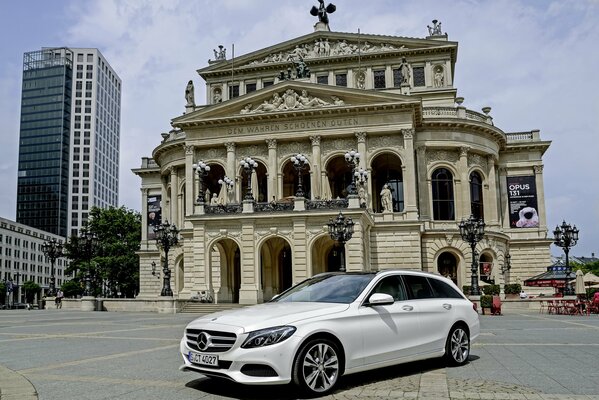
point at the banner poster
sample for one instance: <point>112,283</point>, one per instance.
<point>522,200</point>
<point>154,214</point>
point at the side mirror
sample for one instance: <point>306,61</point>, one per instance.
<point>380,299</point>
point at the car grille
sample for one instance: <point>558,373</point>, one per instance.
<point>221,341</point>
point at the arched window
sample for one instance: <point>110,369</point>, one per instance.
<point>476,195</point>
<point>443,204</point>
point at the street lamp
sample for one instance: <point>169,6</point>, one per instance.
<point>341,230</point>
<point>249,165</point>
<point>507,265</point>
<point>53,250</point>
<point>89,241</point>
<point>167,236</point>
<point>226,184</point>
<point>353,159</point>
<point>472,231</point>
<point>566,237</point>
<point>202,168</point>
<point>299,162</point>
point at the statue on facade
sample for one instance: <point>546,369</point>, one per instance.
<point>322,12</point>
<point>189,96</point>
<point>404,69</point>
<point>439,78</point>
<point>301,69</point>
<point>362,195</point>
<point>207,196</point>
<point>435,30</point>
<point>386,199</point>
<point>221,53</point>
<point>214,200</point>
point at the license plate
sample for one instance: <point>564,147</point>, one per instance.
<point>203,359</point>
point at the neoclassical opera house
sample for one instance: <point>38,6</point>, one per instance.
<point>294,112</point>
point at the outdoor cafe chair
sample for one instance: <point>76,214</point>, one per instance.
<point>552,307</point>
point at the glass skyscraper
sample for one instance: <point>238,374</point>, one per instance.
<point>70,137</point>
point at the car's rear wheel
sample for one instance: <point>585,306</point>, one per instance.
<point>457,348</point>
<point>317,367</point>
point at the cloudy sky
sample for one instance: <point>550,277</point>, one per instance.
<point>535,62</point>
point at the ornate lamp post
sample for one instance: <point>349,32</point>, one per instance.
<point>249,165</point>
<point>566,237</point>
<point>507,265</point>
<point>53,250</point>
<point>202,168</point>
<point>228,186</point>
<point>472,231</point>
<point>89,241</point>
<point>300,162</point>
<point>341,230</point>
<point>167,236</point>
<point>353,159</point>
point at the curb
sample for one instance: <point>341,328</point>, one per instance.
<point>14,386</point>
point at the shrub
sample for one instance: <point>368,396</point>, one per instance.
<point>512,288</point>
<point>466,289</point>
<point>491,290</point>
<point>486,301</point>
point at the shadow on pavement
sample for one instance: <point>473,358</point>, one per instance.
<point>226,388</point>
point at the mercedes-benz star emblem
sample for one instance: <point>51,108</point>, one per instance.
<point>204,341</point>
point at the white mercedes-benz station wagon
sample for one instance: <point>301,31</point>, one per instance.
<point>334,324</point>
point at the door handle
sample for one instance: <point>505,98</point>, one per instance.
<point>407,308</point>
<point>447,306</point>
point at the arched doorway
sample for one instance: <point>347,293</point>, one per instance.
<point>447,265</point>
<point>276,267</point>
<point>291,181</point>
<point>387,169</point>
<point>339,176</point>
<point>225,271</point>
<point>485,268</point>
<point>325,256</point>
<point>211,185</point>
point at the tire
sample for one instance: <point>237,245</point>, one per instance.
<point>317,367</point>
<point>457,348</point>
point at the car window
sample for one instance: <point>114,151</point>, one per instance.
<point>418,287</point>
<point>443,290</point>
<point>393,286</point>
<point>333,288</point>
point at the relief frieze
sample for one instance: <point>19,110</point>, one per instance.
<point>441,155</point>
<point>378,142</point>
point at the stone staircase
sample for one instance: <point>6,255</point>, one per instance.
<point>196,307</point>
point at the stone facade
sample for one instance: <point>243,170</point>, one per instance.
<point>413,134</point>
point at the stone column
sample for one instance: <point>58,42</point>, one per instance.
<point>492,205</point>
<point>189,186</point>
<point>423,187</point>
<point>174,196</point>
<point>540,197</point>
<point>316,167</point>
<point>409,176</point>
<point>272,170</point>
<point>144,214</point>
<point>249,292</point>
<point>165,204</point>
<point>462,195</point>
<point>505,206</point>
<point>231,172</point>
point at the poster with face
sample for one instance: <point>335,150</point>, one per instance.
<point>522,201</point>
<point>154,214</point>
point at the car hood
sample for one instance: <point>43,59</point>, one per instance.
<point>266,315</point>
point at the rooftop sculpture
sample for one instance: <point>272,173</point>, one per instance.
<point>322,12</point>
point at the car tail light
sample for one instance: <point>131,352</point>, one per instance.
<point>474,307</point>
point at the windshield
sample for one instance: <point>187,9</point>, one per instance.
<point>334,288</point>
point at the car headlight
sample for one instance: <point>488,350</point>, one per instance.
<point>268,336</point>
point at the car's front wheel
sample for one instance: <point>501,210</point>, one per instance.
<point>317,366</point>
<point>457,348</point>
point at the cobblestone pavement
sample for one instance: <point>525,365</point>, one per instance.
<point>60,354</point>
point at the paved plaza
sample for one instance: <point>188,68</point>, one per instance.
<point>61,355</point>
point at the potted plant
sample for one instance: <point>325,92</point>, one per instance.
<point>512,291</point>
<point>491,290</point>
<point>486,300</point>
<point>466,289</point>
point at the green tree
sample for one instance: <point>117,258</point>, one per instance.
<point>112,263</point>
<point>71,288</point>
<point>31,289</point>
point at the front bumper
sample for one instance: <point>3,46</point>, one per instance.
<point>237,363</point>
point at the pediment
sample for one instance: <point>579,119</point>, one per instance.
<point>286,99</point>
<point>324,46</point>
